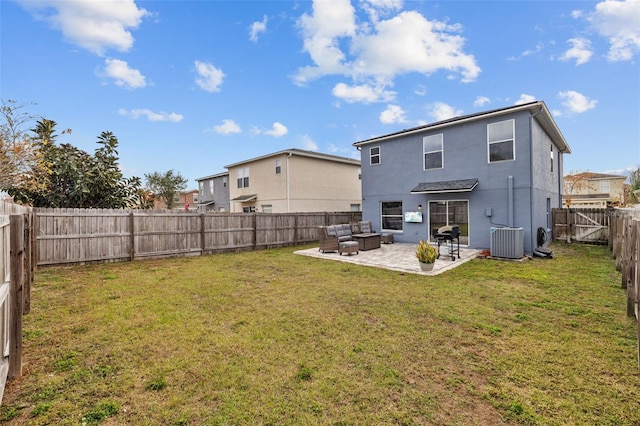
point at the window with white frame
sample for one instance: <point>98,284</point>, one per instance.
<point>432,150</point>
<point>267,208</point>
<point>195,197</point>
<point>224,181</point>
<point>391,215</point>
<point>605,186</point>
<point>374,155</point>
<point>501,141</point>
<point>243,177</point>
<point>355,207</point>
<point>278,166</point>
<point>211,187</point>
<point>201,184</point>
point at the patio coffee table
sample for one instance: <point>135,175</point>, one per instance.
<point>367,241</point>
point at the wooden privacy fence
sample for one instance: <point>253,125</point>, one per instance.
<point>66,236</point>
<point>16,277</point>
<point>581,225</point>
<point>625,245</point>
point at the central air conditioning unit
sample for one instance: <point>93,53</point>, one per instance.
<point>507,242</point>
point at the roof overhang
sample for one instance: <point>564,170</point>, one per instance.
<point>207,203</point>
<point>245,198</point>
<point>537,110</point>
<point>464,185</point>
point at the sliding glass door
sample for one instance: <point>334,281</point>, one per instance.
<point>455,212</point>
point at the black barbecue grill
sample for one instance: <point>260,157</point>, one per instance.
<point>447,235</point>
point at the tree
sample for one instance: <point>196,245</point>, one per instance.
<point>16,150</point>
<point>634,181</point>
<point>166,185</point>
<point>574,184</point>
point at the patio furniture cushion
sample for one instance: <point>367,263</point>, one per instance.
<point>349,247</point>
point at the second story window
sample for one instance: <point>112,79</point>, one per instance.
<point>195,197</point>
<point>432,151</point>
<point>501,141</point>
<point>605,187</point>
<point>243,177</point>
<point>224,181</point>
<point>211,187</point>
<point>374,155</point>
<point>278,166</point>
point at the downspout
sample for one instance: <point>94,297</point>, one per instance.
<point>287,183</point>
<point>510,201</point>
<point>531,174</point>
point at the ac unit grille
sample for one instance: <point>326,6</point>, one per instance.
<point>507,242</point>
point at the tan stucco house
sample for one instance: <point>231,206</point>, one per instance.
<point>593,190</point>
<point>294,180</point>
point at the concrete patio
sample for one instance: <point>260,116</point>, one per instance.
<point>397,257</point>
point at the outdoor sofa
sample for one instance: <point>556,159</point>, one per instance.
<point>331,236</point>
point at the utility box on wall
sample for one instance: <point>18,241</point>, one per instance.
<point>507,242</point>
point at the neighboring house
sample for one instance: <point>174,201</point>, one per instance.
<point>294,180</point>
<point>593,190</point>
<point>214,193</point>
<point>181,201</point>
<point>499,168</point>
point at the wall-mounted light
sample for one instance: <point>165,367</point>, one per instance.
<point>419,206</point>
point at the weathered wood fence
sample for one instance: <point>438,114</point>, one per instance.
<point>72,236</point>
<point>581,225</point>
<point>625,245</point>
<point>16,276</point>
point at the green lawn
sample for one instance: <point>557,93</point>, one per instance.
<point>270,337</point>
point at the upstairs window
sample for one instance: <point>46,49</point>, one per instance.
<point>501,141</point>
<point>551,158</point>
<point>224,181</point>
<point>374,155</point>
<point>605,187</point>
<point>243,177</point>
<point>211,187</point>
<point>432,151</point>
<point>278,166</point>
<point>195,197</point>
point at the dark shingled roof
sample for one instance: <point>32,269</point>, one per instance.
<point>464,185</point>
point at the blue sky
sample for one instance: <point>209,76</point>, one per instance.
<point>195,85</point>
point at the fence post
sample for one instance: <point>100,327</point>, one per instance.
<point>28,229</point>
<point>202,234</point>
<point>132,237</point>
<point>255,230</point>
<point>16,288</point>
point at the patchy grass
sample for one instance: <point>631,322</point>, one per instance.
<point>269,337</point>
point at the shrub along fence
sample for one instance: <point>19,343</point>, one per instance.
<point>68,236</point>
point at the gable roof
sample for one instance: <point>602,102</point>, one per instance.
<point>591,175</point>
<point>301,153</point>
<point>538,110</point>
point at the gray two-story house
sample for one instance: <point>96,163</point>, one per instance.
<point>495,169</point>
<point>213,193</point>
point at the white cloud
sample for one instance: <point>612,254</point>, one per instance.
<point>209,77</point>
<point>227,127</point>
<point>393,114</point>
<point>92,25</point>
<point>481,101</point>
<point>525,99</point>
<point>308,143</point>
<point>257,28</point>
<point>362,93</point>
<point>575,102</point>
<point>537,49</point>
<point>122,74</point>
<point>379,49</point>
<point>580,51</point>
<point>151,116</point>
<point>619,22</point>
<point>441,111</point>
<point>277,130</point>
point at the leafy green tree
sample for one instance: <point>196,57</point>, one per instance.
<point>65,176</point>
<point>166,185</point>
